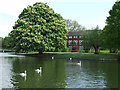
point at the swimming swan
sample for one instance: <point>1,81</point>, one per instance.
<point>23,74</point>
<point>39,70</point>
<point>79,63</point>
<point>70,58</point>
<point>52,57</point>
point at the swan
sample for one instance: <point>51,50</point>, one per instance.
<point>70,58</point>
<point>79,63</point>
<point>23,74</point>
<point>52,57</point>
<point>39,70</point>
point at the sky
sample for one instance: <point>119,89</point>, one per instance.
<point>88,13</point>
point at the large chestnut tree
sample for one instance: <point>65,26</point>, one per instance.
<point>40,29</point>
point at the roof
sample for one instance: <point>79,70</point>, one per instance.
<point>77,33</point>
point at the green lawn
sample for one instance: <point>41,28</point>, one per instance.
<point>104,55</point>
<point>104,51</point>
<point>27,53</point>
<point>85,55</point>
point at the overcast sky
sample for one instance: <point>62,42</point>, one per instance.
<point>88,13</point>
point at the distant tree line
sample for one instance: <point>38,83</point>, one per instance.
<point>73,25</point>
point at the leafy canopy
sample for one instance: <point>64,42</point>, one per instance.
<point>92,38</point>
<point>6,43</point>
<point>73,25</point>
<point>1,39</point>
<point>39,28</point>
<point>111,32</point>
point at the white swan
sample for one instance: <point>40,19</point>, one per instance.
<point>70,58</point>
<point>23,74</point>
<point>52,57</point>
<point>39,70</point>
<point>79,63</point>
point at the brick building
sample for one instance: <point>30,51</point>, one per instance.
<point>74,41</point>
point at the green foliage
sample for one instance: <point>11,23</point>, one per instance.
<point>82,51</point>
<point>6,43</point>
<point>39,28</point>
<point>73,25</point>
<point>111,32</point>
<point>85,42</point>
<point>1,39</point>
<point>92,38</point>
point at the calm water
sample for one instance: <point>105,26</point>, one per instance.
<point>56,73</point>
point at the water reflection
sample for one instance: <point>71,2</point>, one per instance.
<point>57,73</point>
<point>52,74</point>
<point>85,76</point>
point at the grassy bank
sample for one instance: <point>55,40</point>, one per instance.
<point>75,55</point>
<point>86,56</point>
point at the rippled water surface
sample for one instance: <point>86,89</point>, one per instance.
<point>56,73</point>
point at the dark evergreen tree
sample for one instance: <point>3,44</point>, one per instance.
<point>111,32</point>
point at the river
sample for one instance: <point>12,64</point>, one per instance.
<point>56,73</point>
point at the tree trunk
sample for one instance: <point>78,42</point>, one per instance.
<point>112,51</point>
<point>96,51</point>
<point>86,51</point>
<point>40,52</point>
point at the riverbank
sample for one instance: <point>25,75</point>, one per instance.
<point>74,55</point>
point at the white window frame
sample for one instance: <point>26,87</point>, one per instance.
<point>75,36</point>
<point>70,42</point>
<point>80,36</point>
<point>80,42</point>
<point>69,36</point>
<point>75,42</point>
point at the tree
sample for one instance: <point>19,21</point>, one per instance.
<point>1,39</point>
<point>111,32</point>
<point>73,25</point>
<point>92,38</point>
<point>6,43</point>
<point>40,29</point>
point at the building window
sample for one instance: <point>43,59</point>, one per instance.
<point>75,36</point>
<point>70,37</point>
<point>75,42</point>
<point>70,42</point>
<point>81,48</point>
<point>80,42</point>
<point>79,36</point>
<point>70,47</point>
